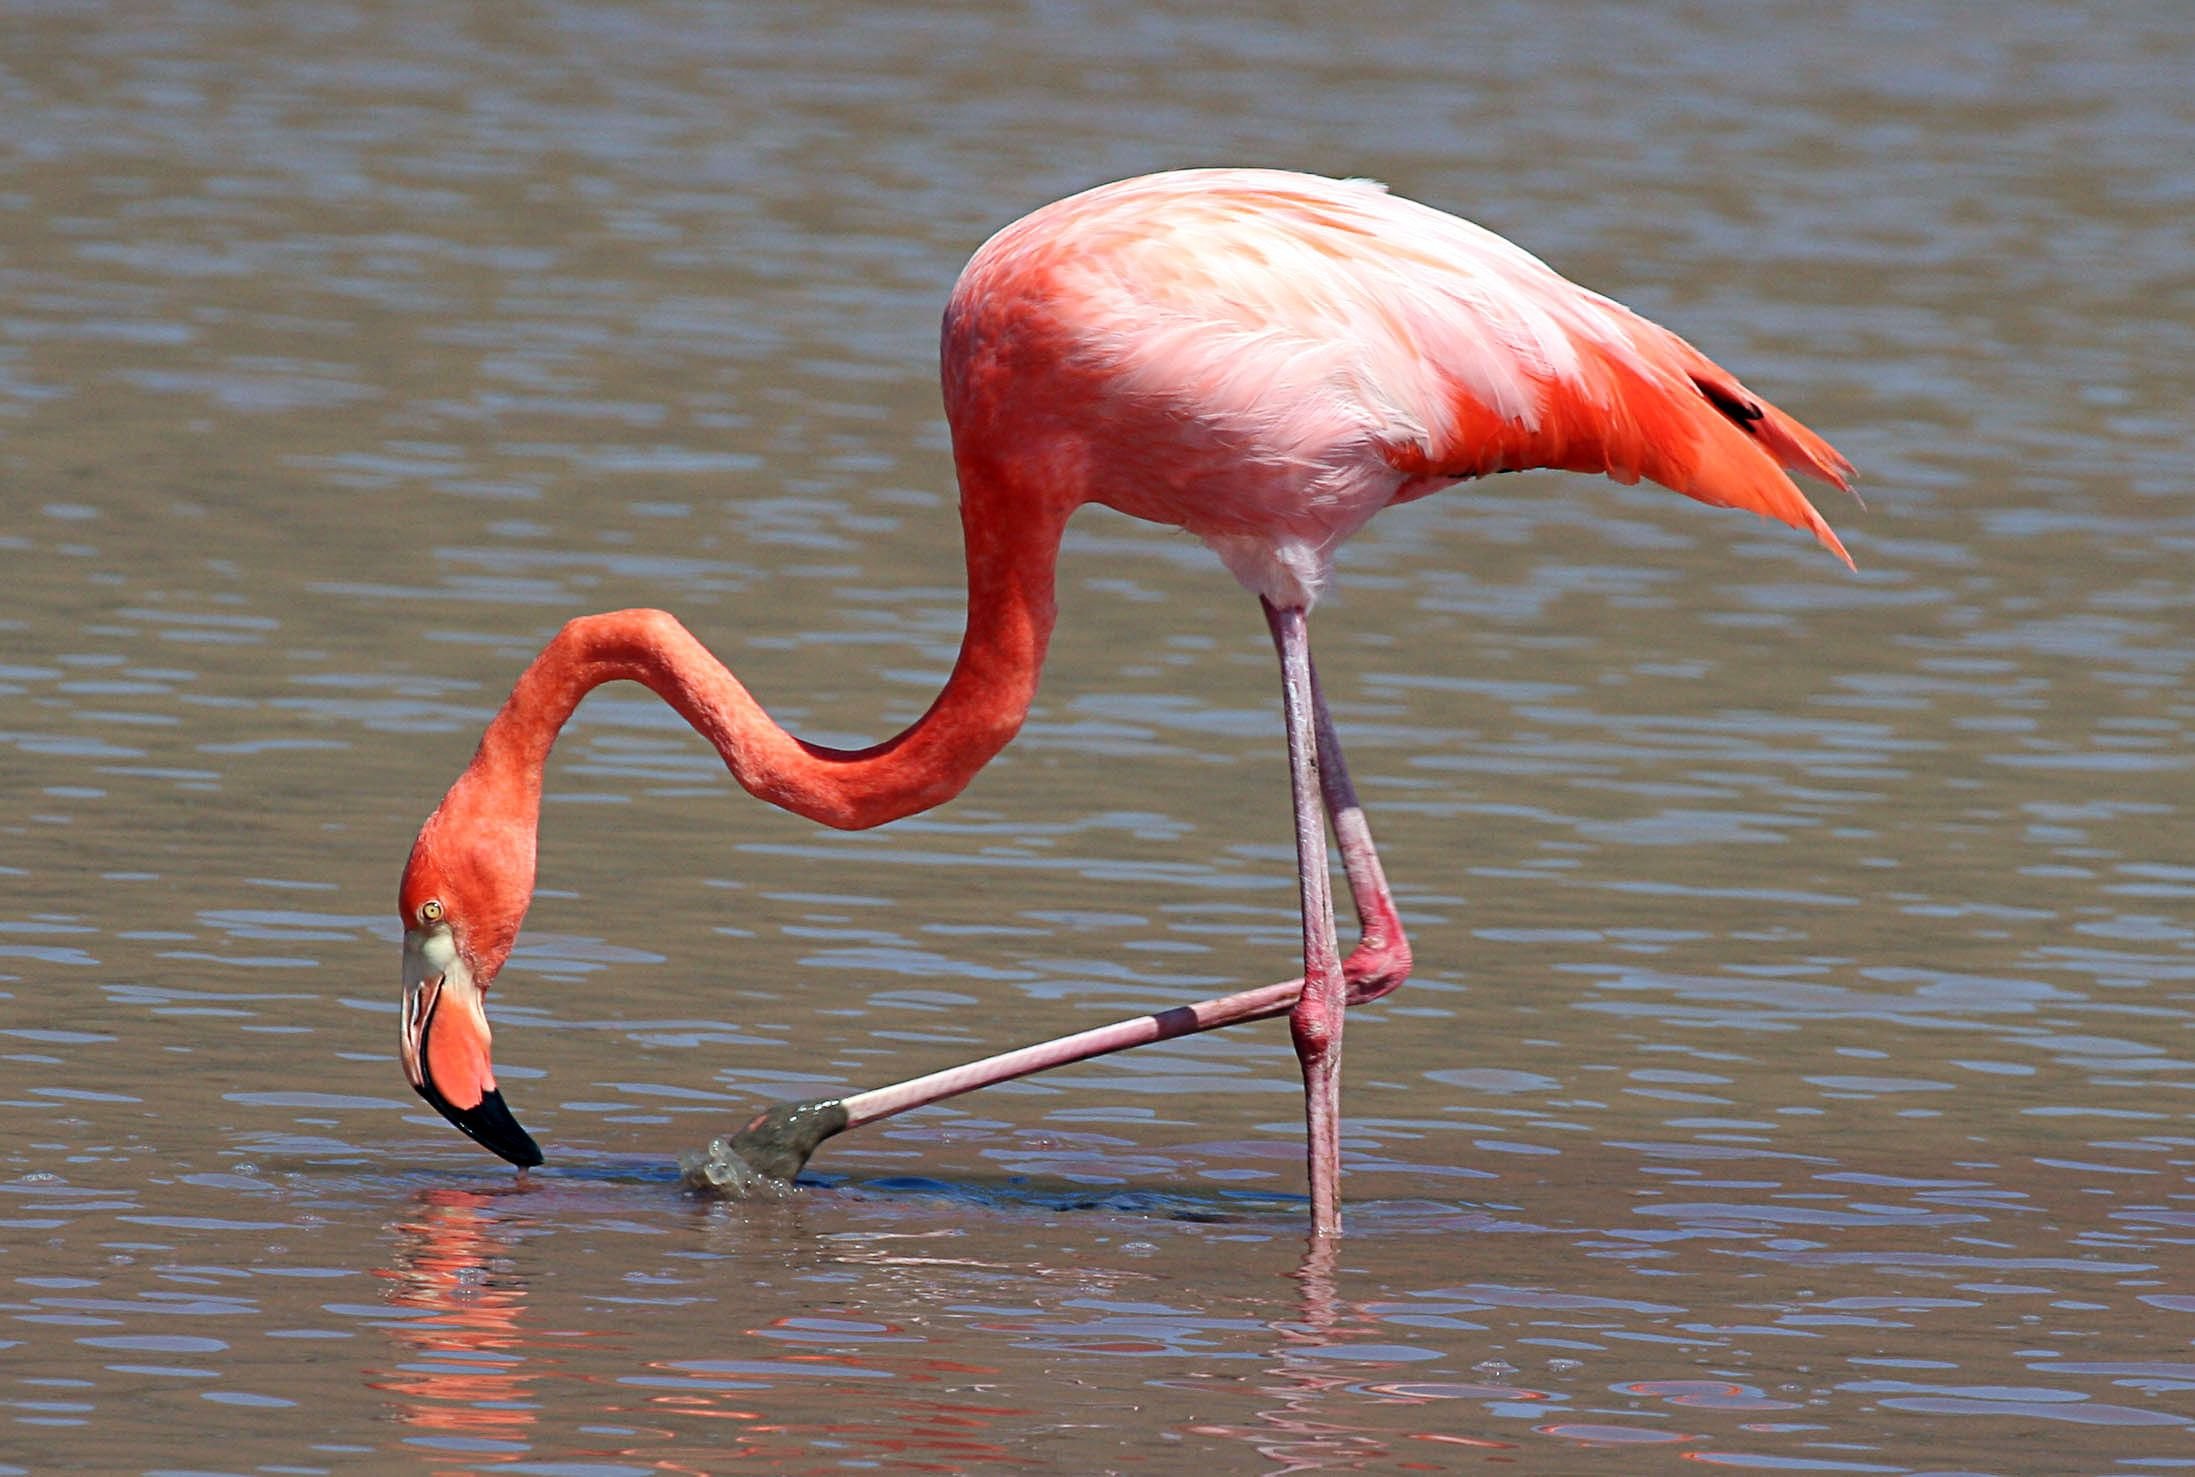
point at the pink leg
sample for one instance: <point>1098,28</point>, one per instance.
<point>1164,1025</point>
<point>1381,959</point>
<point>1379,963</point>
<point>1316,1022</point>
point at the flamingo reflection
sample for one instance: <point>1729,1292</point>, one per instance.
<point>464,1371</point>
<point>479,1373</point>
<point>1321,1421</point>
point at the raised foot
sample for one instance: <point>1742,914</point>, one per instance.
<point>763,1157</point>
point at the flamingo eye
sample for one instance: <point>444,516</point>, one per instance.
<point>430,911</point>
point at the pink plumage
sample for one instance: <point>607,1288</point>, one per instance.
<point>1268,359</point>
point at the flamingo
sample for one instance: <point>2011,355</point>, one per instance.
<point>1264,359</point>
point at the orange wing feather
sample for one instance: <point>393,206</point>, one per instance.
<point>1666,413</point>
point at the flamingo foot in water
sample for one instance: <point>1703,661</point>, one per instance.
<point>764,1157</point>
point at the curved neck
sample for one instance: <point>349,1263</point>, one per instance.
<point>1011,553</point>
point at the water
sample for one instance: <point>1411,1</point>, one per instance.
<point>1796,1076</point>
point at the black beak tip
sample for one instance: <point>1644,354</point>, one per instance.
<point>489,1124</point>
<point>492,1127</point>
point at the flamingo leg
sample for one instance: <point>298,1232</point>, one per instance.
<point>1315,1024</point>
<point>1381,959</point>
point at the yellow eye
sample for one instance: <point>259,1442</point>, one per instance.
<point>430,911</point>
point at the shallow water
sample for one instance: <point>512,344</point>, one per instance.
<point>1797,1072</point>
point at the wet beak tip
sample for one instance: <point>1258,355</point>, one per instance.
<point>489,1124</point>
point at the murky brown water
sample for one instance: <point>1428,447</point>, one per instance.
<point>1799,1072</point>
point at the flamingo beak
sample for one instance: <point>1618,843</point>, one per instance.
<point>445,1047</point>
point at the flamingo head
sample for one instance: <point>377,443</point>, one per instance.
<point>464,893</point>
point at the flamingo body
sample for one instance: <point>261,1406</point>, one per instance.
<point>1267,359</point>
<point>1263,359</point>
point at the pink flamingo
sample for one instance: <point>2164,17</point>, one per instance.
<point>1261,358</point>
